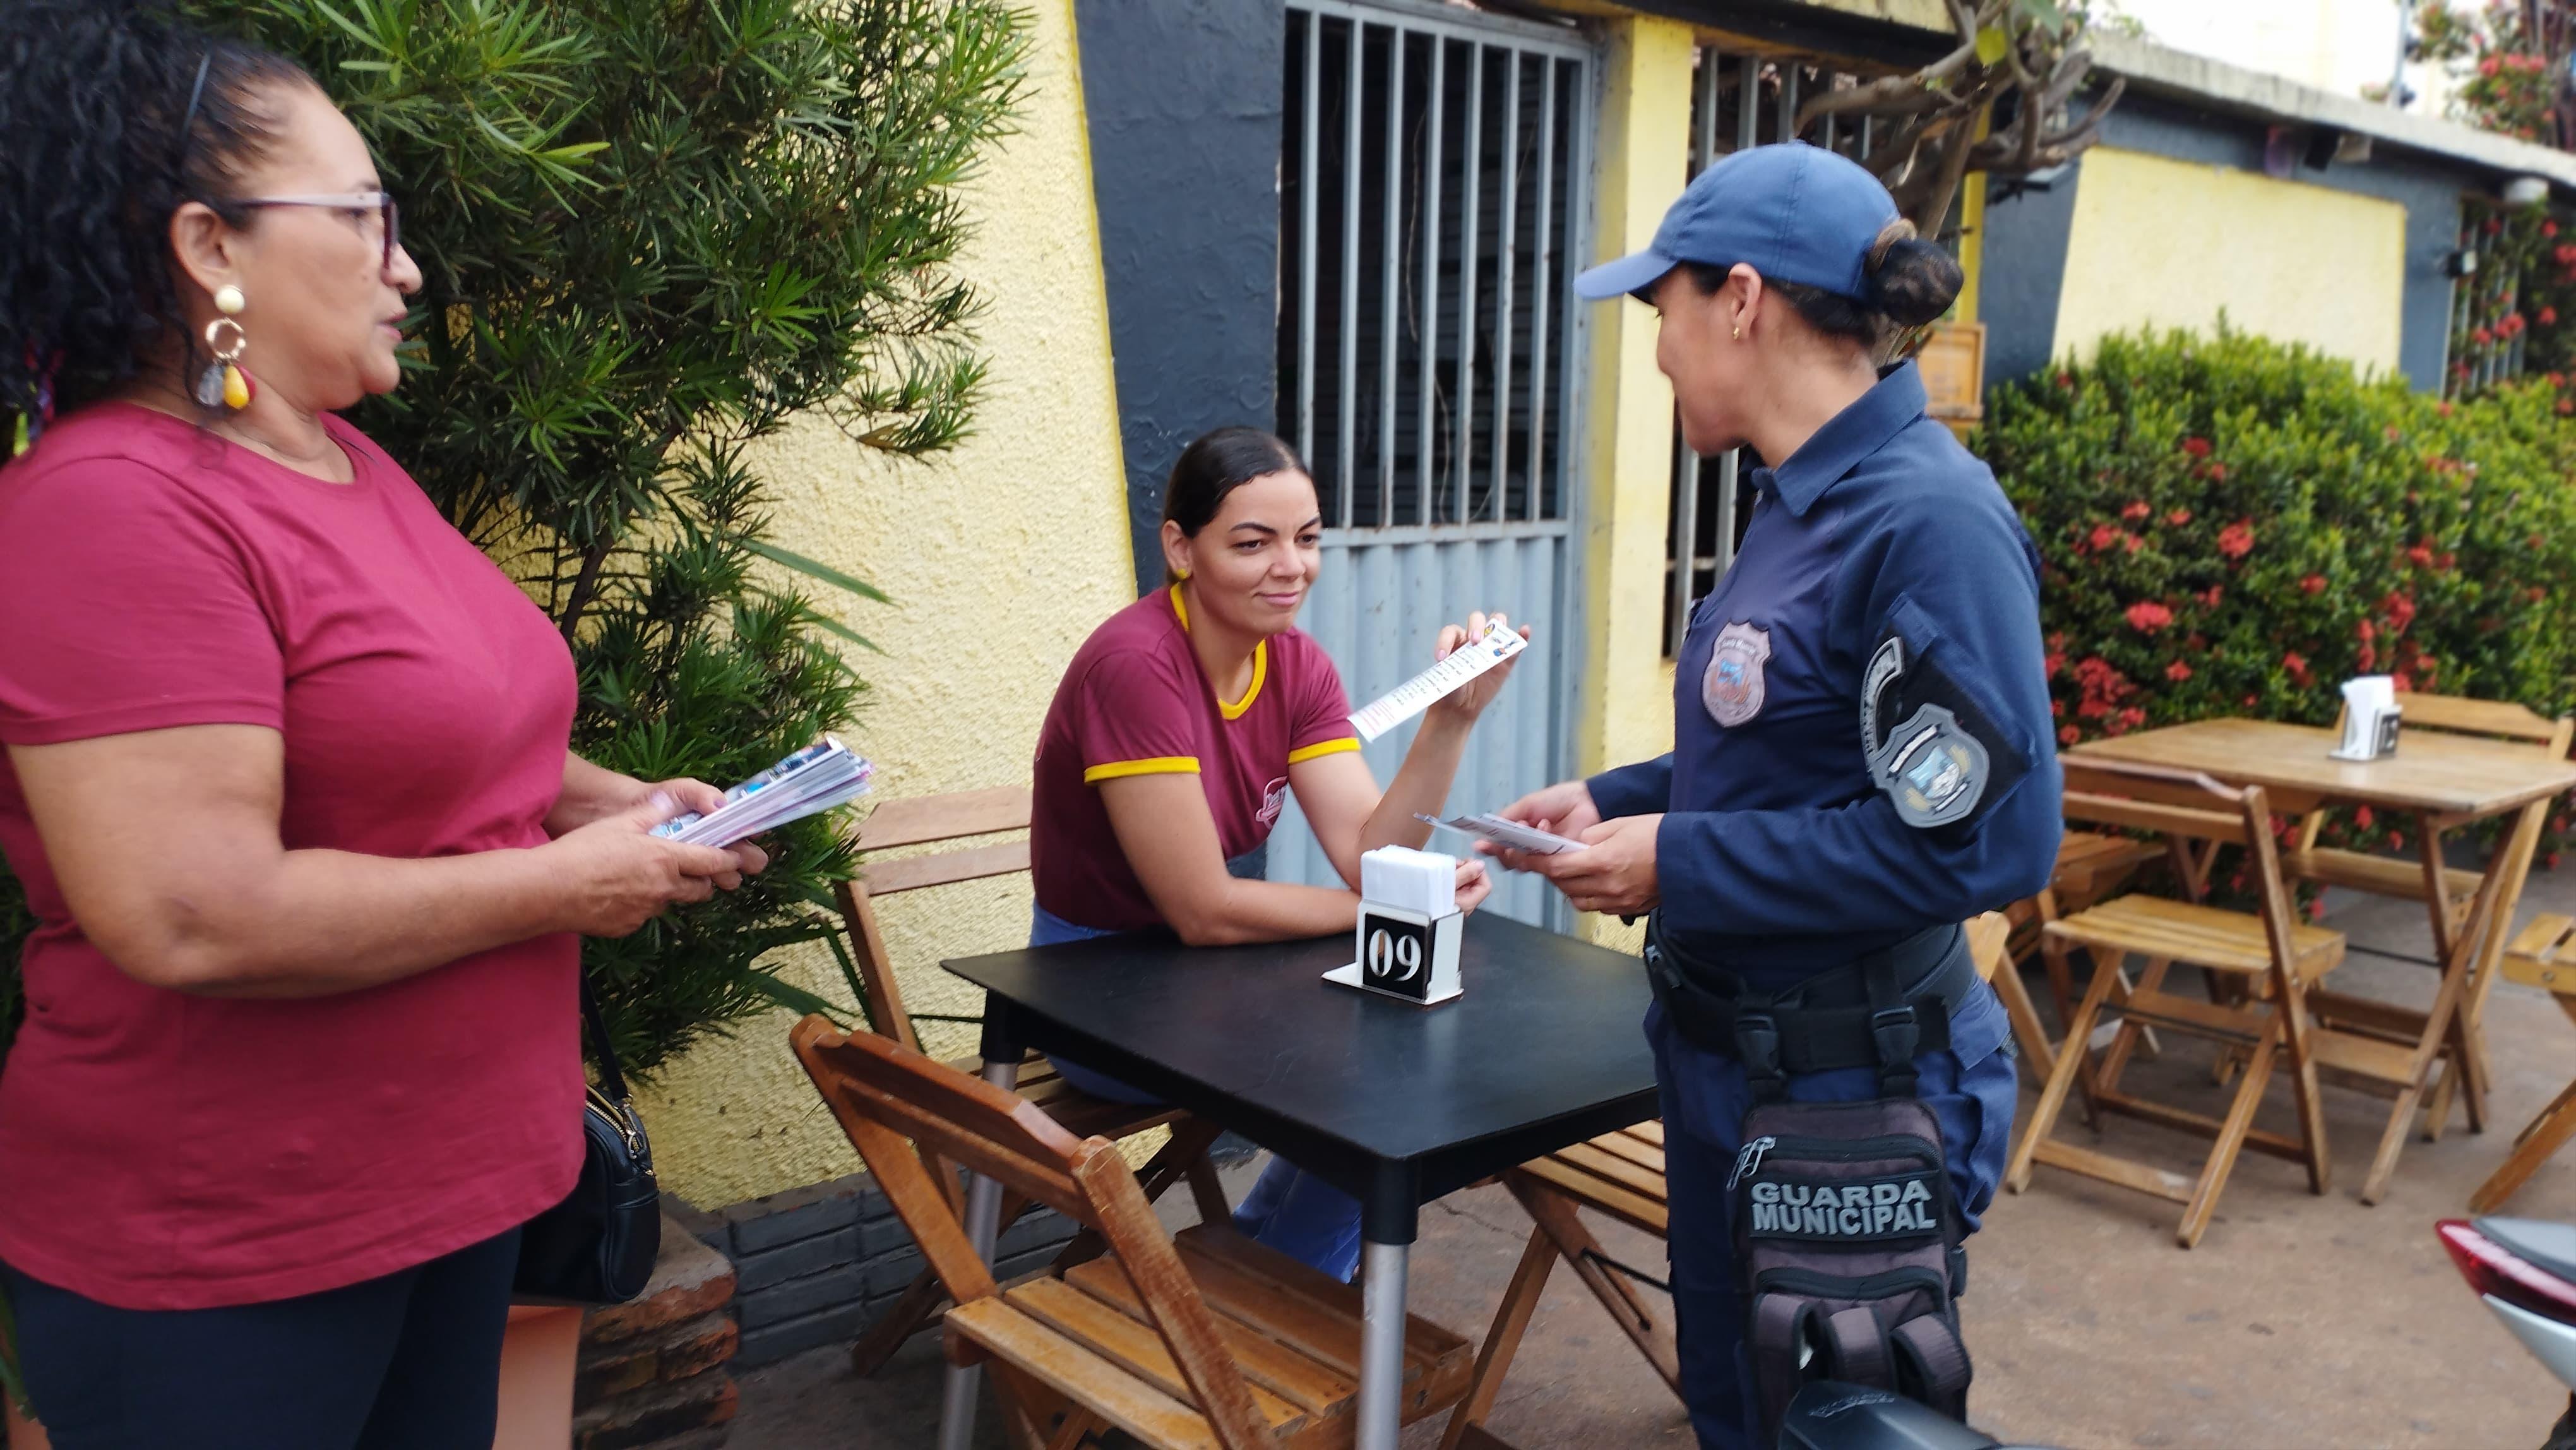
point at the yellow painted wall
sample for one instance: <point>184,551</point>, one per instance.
<point>1001,557</point>
<point>1625,713</point>
<point>2174,244</point>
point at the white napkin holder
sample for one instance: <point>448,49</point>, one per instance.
<point>2370,716</point>
<point>1406,943</point>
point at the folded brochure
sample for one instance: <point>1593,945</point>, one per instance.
<point>1498,643</point>
<point>811,781</point>
<point>1506,833</point>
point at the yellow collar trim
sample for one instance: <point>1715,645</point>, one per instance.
<point>1260,662</point>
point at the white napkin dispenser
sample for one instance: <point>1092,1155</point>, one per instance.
<point>2370,716</point>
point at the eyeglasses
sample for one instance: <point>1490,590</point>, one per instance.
<point>387,217</point>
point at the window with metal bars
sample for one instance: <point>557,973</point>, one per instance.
<point>1736,101</point>
<point>1429,191</point>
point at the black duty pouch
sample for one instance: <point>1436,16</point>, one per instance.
<point>1848,1239</point>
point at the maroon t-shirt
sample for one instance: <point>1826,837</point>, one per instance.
<point>1134,702</point>
<point>167,1151</point>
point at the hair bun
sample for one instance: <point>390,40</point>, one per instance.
<point>1915,280</point>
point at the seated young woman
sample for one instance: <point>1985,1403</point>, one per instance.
<point>1179,731</point>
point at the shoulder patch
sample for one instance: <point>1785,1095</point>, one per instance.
<point>1933,769</point>
<point>1927,742</point>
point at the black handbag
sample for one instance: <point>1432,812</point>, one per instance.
<point>599,1245</point>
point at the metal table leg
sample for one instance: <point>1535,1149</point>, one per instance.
<point>1390,1218</point>
<point>983,1226</point>
<point>1382,1267</point>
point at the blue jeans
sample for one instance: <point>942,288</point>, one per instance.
<point>1288,1209</point>
<point>1971,1088</point>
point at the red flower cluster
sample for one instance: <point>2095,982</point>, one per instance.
<point>2196,447</point>
<point>2297,665</point>
<point>2177,672</point>
<point>2178,517</point>
<point>2104,536</point>
<point>2422,554</point>
<point>2136,511</point>
<point>2549,317</point>
<point>2314,584</point>
<point>2147,617</point>
<point>2237,539</point>
<point>2101,686</point>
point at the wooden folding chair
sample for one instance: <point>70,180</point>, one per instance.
<point>2091,865</point>
<point>2446,891</point>
<point>924,820</point>
<point>2268,946</point>
<point>1621,1177</point>
<point>1206,1341</point>
<point>2543,956</point>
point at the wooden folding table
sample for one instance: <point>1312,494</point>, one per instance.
<point>2443,782</point>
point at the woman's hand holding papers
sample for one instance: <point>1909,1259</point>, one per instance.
<point>617,875</point>
<point>594,793</point>
<point>1615,870</point>
<point>1563,809</point>
<point>1463,704</point>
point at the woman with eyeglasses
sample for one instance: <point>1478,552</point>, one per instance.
<point>287,780</point>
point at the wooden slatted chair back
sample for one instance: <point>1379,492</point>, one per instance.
<point>2497,719</point>
<point>883,1093</point>
<point>2188,806</point>
<point>921,821</point>
<point>2149,798</point>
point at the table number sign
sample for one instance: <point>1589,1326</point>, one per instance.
<point>1406,944</point>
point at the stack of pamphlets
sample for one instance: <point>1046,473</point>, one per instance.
<point>811,781</point>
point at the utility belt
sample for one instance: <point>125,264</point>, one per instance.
<point>1848,1236</point>
<point>1879,1010</point>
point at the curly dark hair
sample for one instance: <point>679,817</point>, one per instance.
<point>92,165</point>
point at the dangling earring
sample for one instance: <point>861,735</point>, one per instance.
<point>223,384</point>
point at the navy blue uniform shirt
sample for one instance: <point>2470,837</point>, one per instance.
<point>1862,740</point>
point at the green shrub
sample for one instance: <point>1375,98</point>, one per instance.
<point>2231,526</point>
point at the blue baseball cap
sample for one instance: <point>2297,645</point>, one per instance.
<point>1792,212</point>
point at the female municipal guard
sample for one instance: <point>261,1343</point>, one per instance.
<point>1862,761</point>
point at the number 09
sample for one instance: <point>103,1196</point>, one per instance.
<point>1387,951</point>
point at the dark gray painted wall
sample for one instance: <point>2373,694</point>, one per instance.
<point>2025,258</point>
<point>2022,267</point>
<point>1184,103</point>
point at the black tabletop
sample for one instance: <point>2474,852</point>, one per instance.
<point>1394,1103</point>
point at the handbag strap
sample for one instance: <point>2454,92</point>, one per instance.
<point>611,1079</point>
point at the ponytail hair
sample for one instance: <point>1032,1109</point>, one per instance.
<point>1910,282</point>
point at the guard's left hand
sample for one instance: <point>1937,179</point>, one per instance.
<point>1469,700</point>
<point>1613,873</point>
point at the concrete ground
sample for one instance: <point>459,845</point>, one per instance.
<point>2299,1321</point>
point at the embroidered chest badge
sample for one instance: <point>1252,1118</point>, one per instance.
<point>1731,689</point>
